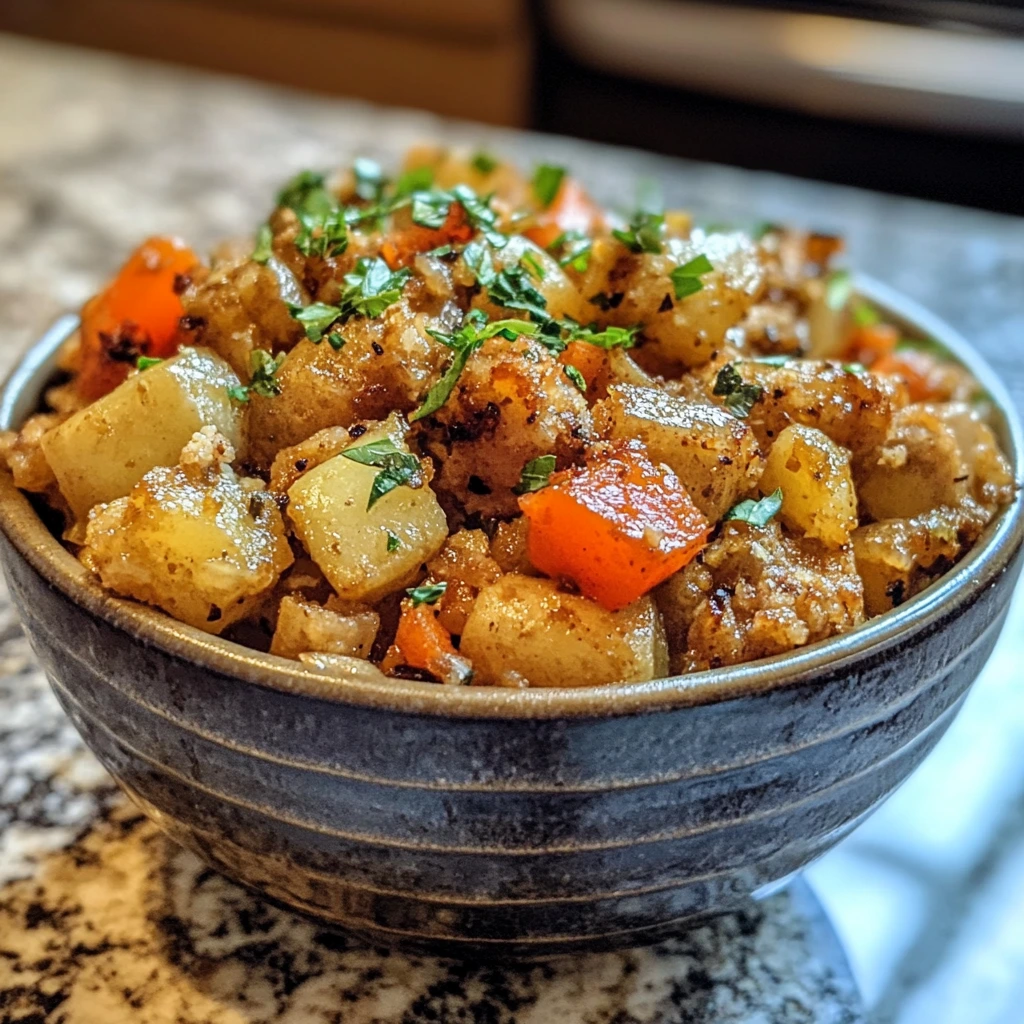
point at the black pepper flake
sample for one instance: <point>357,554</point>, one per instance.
<point>215,614</point>
<point>301,464</point>
<point>896,592</point>
<point>379,349</point>
<point>191,323</point>
<point>182,283</point>
<point>666,304</point>
<point>476,486</point>
<point>356,431</point>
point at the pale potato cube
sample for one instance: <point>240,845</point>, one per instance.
<point>920,467</point>
<point>714,454</point>
<point>328,509</point>
<point>818,497</point>
<point>526,627</point>
<point>305,626</point>
<point>104,450</point>
<point>197,544</point>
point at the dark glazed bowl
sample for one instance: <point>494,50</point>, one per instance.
<point>503,822</point>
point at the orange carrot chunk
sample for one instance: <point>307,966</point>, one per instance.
<point>409,242</point>
<point>136,315</point>
<point>616,528</point>
<point>590,360</point>
<point>920,371</point>
<point>571,210</point>
<point>870,343</point>
<point>422,642</point>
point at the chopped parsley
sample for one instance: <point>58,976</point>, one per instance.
<point>264,239</point>
<point>427,593</point>
<point>393,542</point>
<point>575,376</point>
<point>686,278</point>
<point>513,289</point>
<point>547,179</point>
<point>607,337</point>
<point>855,368</point>
<point>145,362</point>
<point>533,265</point>
<point>739,396</point>
<point>536,474</point>
<point>838,289</point>
<point>757,513</point>
<point>572,249</point>
<point>307,193</point>
<point>477,256</point>
<point>480,214</point>
<point>463,343</point>
<point>322,234</point>
<point>370,180</point>
<point>644,233</point>
<point>316,318</point>
<point>396,467</point>
<point>430,209</point>
<point>483,162</point>
<point>263,381</point>
<point>336,340</point>
<point>417,180</point>
<point>865,315</point>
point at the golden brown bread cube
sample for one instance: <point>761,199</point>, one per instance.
<point>304,626</point>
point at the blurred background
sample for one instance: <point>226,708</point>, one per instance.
<point>915,97</point>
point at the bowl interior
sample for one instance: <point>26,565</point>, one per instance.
<point>987,559</point>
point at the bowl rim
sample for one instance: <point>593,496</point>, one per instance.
<point>989,557</point>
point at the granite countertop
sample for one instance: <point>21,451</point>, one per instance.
<point>103,919</point>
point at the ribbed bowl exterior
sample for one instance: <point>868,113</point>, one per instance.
<point>516,836</point>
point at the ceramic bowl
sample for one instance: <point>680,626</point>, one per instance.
<point>475,821</point>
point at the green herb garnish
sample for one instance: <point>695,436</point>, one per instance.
<point>430,209</point>
<point>644,233</point>
<point>307,193</point>
<point>323,235</point>
<point>264,239</point>
<point>547,179</point>
<point>865,315</point>
<point>464,342</point>
<point>536,474</point>
<point>417,180</point>
<point>477,256</point>
<point>316,318</point>
<point>145,362</point>
<point>396,467</point>
<point>575,376</point>
<point>483,162</point>
<point>606,337</point>
<point>686,278</point>
<point>533,265</point>
<point>370,180</point>
<point>757,513</point>
<point>838,289</point>
<point>336,340</point>
<point>427,593</point>
<point>739,397</point>
<point>572,249</point>
<point>393,542</point>
<point>263,381</point>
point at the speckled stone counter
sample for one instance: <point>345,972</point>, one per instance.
<point>101,919</point>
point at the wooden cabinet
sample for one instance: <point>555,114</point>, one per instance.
<point>462,58</point>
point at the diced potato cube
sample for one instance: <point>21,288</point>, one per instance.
<point>522,627</point>
<point>818,496</point>
<point>920,467</point>
<point>305,626</point>
<point>328,508</point>
<point>714,454</point>
<point>196,544</point>
<point>104,450</point>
